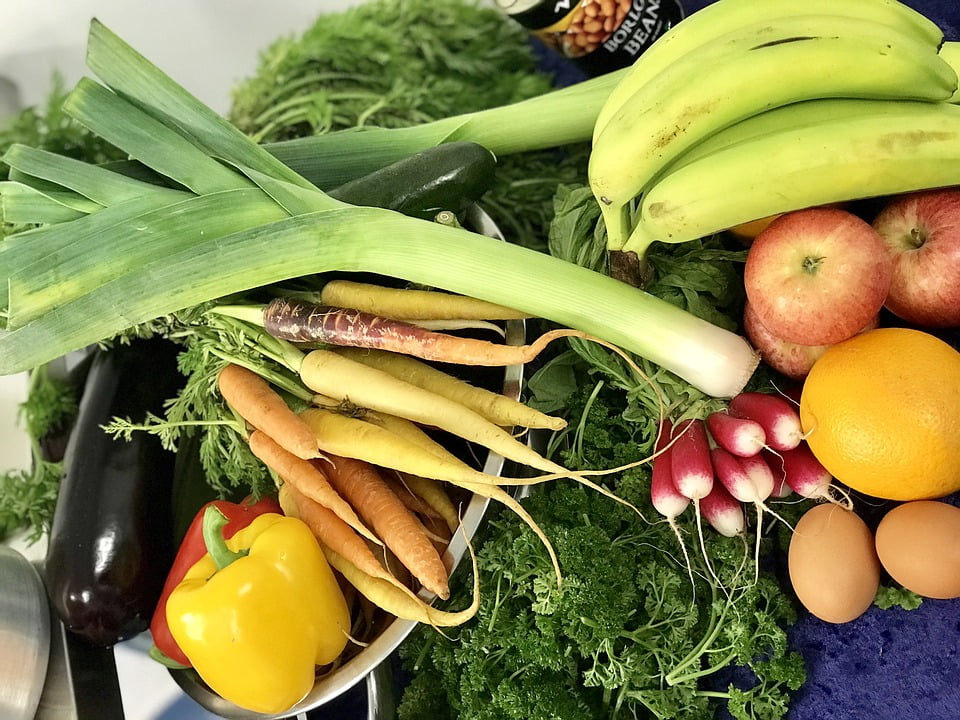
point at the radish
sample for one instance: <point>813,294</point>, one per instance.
<point>690,460</point>
<point>776,415</point>
<point>692,472</point>
<point>775,462</point>
<point>808,477</point>
<point>760,473</point>
<point>740,436</point>
<point>748,480</point>
<point>666,499</point>
<point>723,512</point>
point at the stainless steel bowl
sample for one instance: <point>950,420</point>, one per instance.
<point>373,657</point>
<point>24,636</point>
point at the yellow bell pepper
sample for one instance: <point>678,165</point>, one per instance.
<point>259,612</point>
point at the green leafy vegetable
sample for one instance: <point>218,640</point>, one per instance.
<point>890,596</point>
<point>396,64</point>
<point>626,636</point>
<point>28,497</point>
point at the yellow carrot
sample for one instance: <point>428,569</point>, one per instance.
<point>307,478</point>
<point>336,376</point>
<point>406,304</point>
<point>495,407</point>
<point>394,601</point>
<point>356,438</point>
<point>262,407</point>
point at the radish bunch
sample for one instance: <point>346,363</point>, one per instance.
<point>748,453</point>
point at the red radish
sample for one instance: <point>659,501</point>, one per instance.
<point>775,462</point>
<point>806,475</point>
<point>747,481</point>
<point>723,512</point>
<point>690,459</point>
<point>760,473</point>
<point>740,436</point>
<point>666,499</point>
<point>779,419</point>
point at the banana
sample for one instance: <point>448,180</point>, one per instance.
<point>746,72</point>
<point>950,52</point>
<point>724,16</point>
<point>842,150</point>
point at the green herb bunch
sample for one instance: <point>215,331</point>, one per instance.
<point>399,63</point>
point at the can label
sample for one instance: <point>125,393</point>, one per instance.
<point>598,35</point>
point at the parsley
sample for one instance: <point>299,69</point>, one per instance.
<point>29,497</point>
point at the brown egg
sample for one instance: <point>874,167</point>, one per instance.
<point>919,545</point>
<point>833,563</point>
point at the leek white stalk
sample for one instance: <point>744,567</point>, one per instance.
<point>714,360</point>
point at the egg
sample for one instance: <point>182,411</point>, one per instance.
<point>919,545</point>
<point>833,563</point>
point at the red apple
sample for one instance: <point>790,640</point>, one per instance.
<point>922,234</point>
<point>787,358</point>
<point>817,276</point>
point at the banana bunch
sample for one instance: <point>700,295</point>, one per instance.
<point>746,109</point>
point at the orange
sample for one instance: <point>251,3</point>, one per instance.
<point>882,414</point>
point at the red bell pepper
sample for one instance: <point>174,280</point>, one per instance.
<point>192,549</point>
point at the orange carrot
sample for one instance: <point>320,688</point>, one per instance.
<point>360,483</point>
<point>307,478</point>
<point>433,494</point>
<point>260,405</point>
<point>331,530</point>
<point>413,502</point>
<point>302,321</point>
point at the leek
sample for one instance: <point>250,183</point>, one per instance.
<point>255,222</point>
<point>560,117</point>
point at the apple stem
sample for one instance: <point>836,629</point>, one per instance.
<point>812,264</point>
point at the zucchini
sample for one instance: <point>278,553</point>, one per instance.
<point>111,540</point>
<point>451,176</point>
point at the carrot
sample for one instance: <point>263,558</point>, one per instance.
<point>330,530</point>
<point>413,502</point>
<point>417,454</point>
<point>434,496</point>
<point>341,378</point>
<point>361,484</point>
<point>262,407</point>
<point>307,478</point>
<point>406,304</point>
<point>495,407</point>
<point>388,597</point>
<point>352,437</point>
<point>302,321</point>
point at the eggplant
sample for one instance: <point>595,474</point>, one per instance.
<point>111,539</point>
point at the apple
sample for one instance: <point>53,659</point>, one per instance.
<point>787,358</point>
<point>817,276</point>
<point>922,234</point>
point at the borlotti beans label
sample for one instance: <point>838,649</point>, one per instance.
<point>599,35</point>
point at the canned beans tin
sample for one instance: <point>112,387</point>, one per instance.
<point>598,35</point>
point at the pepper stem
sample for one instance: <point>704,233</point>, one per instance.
<point>213,523</point>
